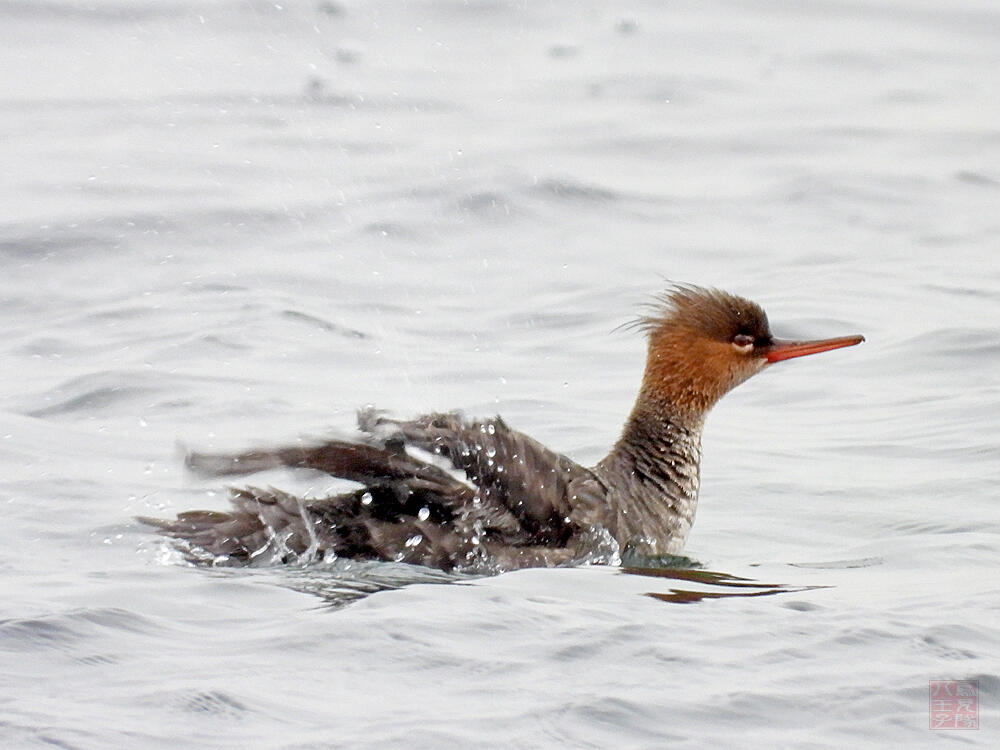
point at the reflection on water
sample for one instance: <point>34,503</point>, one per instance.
<point>342,582</point>
<point>711,579</point>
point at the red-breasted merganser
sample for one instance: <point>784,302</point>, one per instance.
<point>521,504</point>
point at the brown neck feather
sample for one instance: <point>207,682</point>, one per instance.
<point>685,375</point>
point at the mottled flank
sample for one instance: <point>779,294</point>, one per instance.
<point>520,504</point>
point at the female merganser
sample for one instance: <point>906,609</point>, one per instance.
<point>522,505</point>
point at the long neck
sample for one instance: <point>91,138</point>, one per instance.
<point>652,476</point>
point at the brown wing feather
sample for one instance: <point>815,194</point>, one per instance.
<point>512,470</point>
<point>358,462</point>
<point>523,510</point>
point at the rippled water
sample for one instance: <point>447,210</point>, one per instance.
<point>232,223</point>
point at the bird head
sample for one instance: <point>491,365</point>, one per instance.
<point>705,342</point>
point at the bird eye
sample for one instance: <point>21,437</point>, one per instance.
<point>742,342</point>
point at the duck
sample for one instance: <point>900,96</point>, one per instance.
<point>446,491</point>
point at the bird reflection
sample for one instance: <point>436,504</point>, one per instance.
<point>731,585</point>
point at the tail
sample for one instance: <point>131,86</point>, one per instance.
<point>404,511</point>
<point>269,525</point>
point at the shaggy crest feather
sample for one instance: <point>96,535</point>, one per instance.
<point>710,311</point>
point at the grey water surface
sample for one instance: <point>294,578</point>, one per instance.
<point>231,223</point>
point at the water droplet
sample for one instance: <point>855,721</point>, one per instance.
<point>366,499</point>
<point>424,514</point>
<point>414,540</point>
<point>491,428</point>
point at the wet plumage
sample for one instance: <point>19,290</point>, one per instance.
<point>515,503</point>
